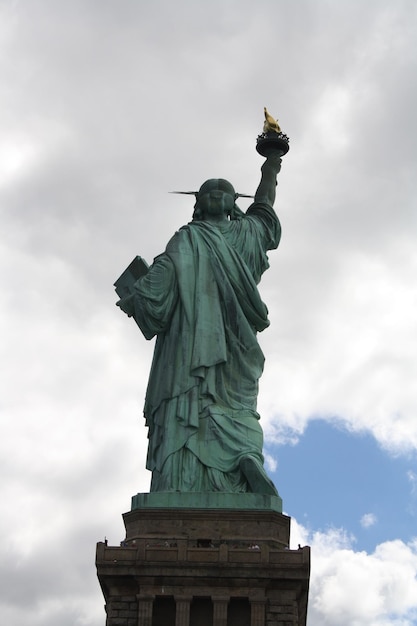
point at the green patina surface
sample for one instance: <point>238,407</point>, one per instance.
<point>207,500</point>
<point>201,301</point>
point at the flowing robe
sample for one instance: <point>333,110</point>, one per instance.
<point>200,299</point>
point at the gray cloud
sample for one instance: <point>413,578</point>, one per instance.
<point>108,107</point>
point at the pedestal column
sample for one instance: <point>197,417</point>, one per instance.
<point>257,612</point>
<point>145,604</point>
<point>220,610</point>
<point>182,611</point>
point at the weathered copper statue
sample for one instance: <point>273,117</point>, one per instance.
<point>200,299</point>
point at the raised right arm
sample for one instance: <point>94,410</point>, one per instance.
<point>267,187</point>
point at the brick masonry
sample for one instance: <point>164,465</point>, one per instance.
<point>235,567</point>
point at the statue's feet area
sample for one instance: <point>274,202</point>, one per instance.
<point>254,473</point>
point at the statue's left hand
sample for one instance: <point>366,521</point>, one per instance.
<point>127,305</point>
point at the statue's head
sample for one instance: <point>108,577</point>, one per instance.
<point>215,197</point>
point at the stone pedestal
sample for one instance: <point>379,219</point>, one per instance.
<point>204,567</point>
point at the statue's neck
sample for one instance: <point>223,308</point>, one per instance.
<point>217,219</point>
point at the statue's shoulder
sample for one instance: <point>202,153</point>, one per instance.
<point>261,209</point>
<point>180,238</point>
<point>193,233</point>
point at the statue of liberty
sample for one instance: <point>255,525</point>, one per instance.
<point>201,301</point>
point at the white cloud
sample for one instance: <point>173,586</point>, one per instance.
<point>350,588</point>
<point>412,505</point>
<point>368,520</point>
<point>412,477</point>
<point>271,462</point>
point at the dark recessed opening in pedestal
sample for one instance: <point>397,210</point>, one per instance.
<point>164,611</point>
<point>238,612</point>
<point>201,612</point>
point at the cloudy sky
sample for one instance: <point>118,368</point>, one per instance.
<point>106,107</point>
